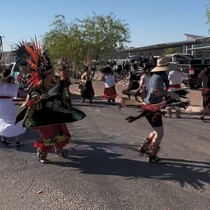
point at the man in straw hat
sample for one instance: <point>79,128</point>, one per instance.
<point>156,90</point>
<point>175,77</point>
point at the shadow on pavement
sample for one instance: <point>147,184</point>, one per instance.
<point>98,102</point>
<point>27,139</point>
<point>99,159</point>
<point>110,159</point>
<point>190,117</point>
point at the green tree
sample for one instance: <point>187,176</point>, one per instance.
<point>92,38</point>
<point>102,35</point>
<point>208,15</point>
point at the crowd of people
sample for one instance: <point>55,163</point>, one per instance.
<point>47,105</point>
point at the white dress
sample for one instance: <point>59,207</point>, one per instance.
<point>8,111</point>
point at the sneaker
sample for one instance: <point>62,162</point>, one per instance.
<point>42,156</point>
<point>44,160</point>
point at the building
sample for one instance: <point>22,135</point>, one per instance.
<point>198,46</point>
<point>6,57</point>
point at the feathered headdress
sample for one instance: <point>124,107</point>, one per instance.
<point>19,54</point>
<point>38,61</point>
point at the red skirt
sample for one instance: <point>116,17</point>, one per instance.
<point>110,93</point>
<point>52,136</point>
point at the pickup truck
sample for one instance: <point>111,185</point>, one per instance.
<point>193,69</point>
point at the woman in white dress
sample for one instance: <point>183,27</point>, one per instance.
<point>109,81</point>
<point>8,110</point>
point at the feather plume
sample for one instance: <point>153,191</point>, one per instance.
<point>34,55</point>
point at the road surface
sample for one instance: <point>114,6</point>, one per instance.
<point>106,171</point>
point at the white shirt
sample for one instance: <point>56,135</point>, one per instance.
<point>144,80</point>
<point>175,77</point>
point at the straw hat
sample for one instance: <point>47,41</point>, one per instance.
<point>164,64</point>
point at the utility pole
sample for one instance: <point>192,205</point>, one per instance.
<point>1,49</point>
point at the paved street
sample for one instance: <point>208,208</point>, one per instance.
<point>105,171</point>
<point>194,95</point>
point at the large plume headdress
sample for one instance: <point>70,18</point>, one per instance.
<point>38,61</point>
<point>19,54</point>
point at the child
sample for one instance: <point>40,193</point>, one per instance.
<point>109,80</point>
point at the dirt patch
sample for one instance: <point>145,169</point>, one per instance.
<point>195,98</point>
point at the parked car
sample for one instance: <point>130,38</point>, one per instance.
<point>181,58</point>
<point>132,58</point>
<point>196,65</point>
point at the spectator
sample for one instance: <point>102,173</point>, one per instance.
<point>86,88</point>
<point>175,78</point>
<point>205,75</point>
<point>142,90</point>
<point>109,81</point>
<point>154,102</point>
<point>8,128</point>
<point>134,77</point>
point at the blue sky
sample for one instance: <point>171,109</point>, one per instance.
<point>150,21</point>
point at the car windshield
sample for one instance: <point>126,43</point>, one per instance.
<point>196,61</point>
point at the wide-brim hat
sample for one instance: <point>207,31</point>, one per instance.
<point>164,64</point>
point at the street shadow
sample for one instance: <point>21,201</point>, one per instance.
<point>185,116</point>
<point>86,104</point>
<point>99,159</point>
<point>120,159</point>
<point>27,140</point>
<point>98,102</point>
<point>190,117</point>
<point>206,121</point>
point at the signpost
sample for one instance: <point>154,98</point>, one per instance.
<point>1,48</point>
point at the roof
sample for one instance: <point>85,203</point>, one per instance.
<point>207,48</point>
<point>162,46</point>
<point>193,36</point>
<point>196,40</point>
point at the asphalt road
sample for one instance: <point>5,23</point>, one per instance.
<point>105,171</point>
